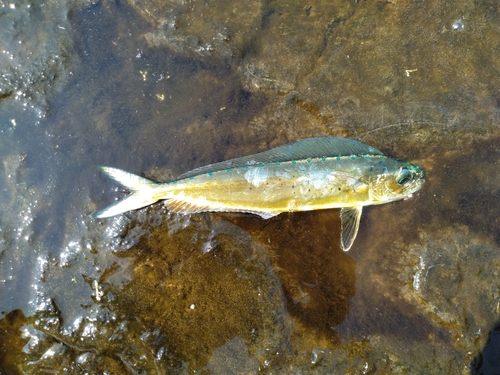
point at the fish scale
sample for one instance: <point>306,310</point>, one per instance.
<point>310,174</point>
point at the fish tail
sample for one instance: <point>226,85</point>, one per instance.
<point>144,193</point>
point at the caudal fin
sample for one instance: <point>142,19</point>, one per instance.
<point>144,193</point>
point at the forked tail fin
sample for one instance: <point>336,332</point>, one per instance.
<point>144,193</point>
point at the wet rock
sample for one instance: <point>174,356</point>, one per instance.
<point>377,355</point>
<point>363,66</point>
<point>450,279</point>
<point>95,343</point>
<point>209,31</point>
<point>291,42</point>
<point>11,342</point>
<point>379,61</point>
<point>367,66</point>
<point>231,358</point>
<point>36,51</point>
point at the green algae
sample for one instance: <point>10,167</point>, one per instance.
<point>201,287</point>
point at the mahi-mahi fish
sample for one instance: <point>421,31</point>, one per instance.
<point>310,174</point>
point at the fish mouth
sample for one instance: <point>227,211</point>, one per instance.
<point>420,178</point>
<point>419,181</point>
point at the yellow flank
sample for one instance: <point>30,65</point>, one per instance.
<point>269,189</point>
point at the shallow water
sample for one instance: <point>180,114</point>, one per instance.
<point>159,88</point>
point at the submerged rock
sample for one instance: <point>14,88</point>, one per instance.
<point>209,31</point>
<point>360,66</point>
<point>202,286</point>
<point>451,279</point>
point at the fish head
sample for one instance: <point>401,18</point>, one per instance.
<point>394,179</point>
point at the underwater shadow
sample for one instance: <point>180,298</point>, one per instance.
<point>317,277</point>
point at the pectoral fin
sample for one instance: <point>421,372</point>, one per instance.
<point>349,218</point>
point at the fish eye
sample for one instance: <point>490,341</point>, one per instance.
<point>404,176</point>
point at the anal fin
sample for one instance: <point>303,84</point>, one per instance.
<point>349,218</point>
<point>180,206</point>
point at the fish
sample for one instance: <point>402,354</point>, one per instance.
<point>309,174</point>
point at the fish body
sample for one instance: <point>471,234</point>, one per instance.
<point>311,174</point>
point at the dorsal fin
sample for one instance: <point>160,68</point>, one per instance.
<point>303,149</point>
